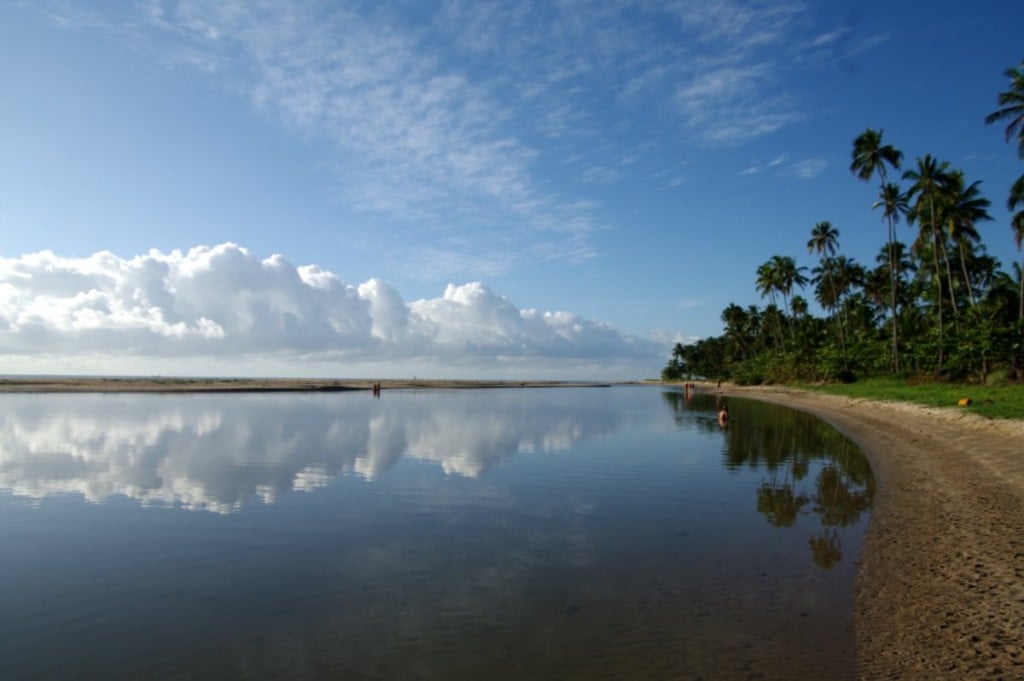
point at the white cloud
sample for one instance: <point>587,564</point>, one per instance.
<point>809,169</point>
<point>224,302</point>
<point>806,169</point>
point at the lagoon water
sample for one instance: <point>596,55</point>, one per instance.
<point>563,533</point>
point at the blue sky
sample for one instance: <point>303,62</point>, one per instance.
<point>452,188</point>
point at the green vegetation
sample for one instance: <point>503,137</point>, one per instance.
<point>992,401</point>
<point>939,307</point>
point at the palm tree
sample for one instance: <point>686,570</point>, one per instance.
<point>965,207</point>
<point>893,203</point>
<point>1017,222</point>
<point>929,182</point>
<point>1011,103</point>
<point>767,284</point>
<point>901,263</point>
<point>825,240</point>
<point>870,157</point>
<point>766,279</point>
<point>788,275</point>
<point>737,322</point>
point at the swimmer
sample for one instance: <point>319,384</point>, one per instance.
<point>723,415</point>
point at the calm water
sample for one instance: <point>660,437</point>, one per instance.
<point>493,534</point>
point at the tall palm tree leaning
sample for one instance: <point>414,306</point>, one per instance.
<point>788,275</point>
<point>965,207</point>
<point>929,182</point>
<point>870,157</point>
<point>1017,222</point>
<point>767,284</point>
<point>893,203</point>
<point>1011,108</point>
<point>824,241</point>
<point>1011,103</point>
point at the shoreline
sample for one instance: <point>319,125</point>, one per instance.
<point>939,591</point>
<point>167,384</point>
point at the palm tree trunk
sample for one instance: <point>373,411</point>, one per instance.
<point>949,280</point>
<point>967,280</point>
<point>1020,314</point>
<point>894,279</point>
<point>839,321</point>
<point>938,281</point>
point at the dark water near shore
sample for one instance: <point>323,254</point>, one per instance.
<point>484,534</point>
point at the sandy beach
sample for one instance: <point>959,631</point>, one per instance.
<point>940,585</point>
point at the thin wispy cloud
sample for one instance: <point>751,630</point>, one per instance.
<point>454,113</point>
<point>804,169</point>
<point>809,169</point>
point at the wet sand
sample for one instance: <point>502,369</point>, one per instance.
<point>940,585</point>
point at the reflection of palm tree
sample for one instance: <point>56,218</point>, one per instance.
<point>826,549</point>
<point>780,504</point>
<point>838,505</point>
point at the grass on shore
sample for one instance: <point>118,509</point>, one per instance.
<point>997,402</point>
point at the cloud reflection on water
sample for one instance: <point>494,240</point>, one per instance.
<point>217,452</point>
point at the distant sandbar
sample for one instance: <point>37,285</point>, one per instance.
<point>160,384</point>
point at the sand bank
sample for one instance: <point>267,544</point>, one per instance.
<point>940,585</point>
<point>158,384</point>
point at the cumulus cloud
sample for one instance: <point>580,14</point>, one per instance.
<point>224,301</point>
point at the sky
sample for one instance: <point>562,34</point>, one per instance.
<point>559,189</point>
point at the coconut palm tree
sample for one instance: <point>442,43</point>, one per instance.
<point>870,157</point>
<point>965,206</point>
<point>928,191</point>
<point>1017,222</point>
<point>902,263</point>
<point>894,204</point>
<point>1011,103</point>
<point>1011,107</point>
<point>825,241</point>
<point>788,275</point>
<point>767,284</point>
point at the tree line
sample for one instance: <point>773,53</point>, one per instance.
<point>940,305</point>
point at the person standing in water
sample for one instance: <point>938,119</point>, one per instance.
<point>723,415</point>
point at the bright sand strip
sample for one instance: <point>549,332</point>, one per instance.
<point>158,384</point>
<point>940,587</point>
